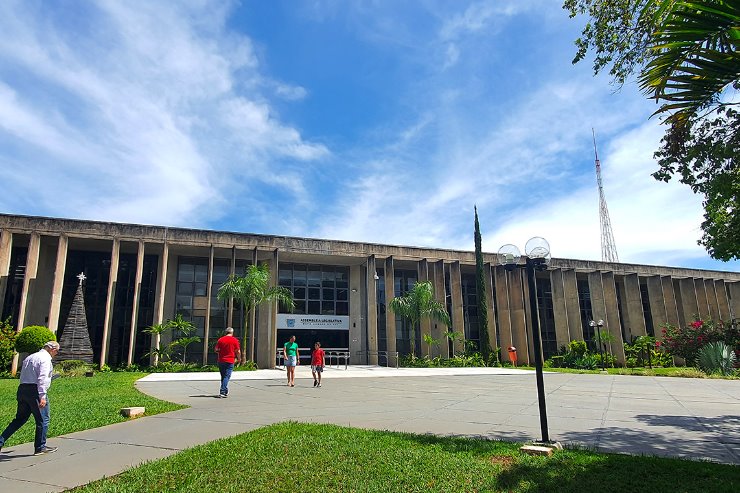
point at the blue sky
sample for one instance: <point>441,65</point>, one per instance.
<point>372,121</point>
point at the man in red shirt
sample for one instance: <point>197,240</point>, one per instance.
<point>228,351</point>
<point>317,364</point>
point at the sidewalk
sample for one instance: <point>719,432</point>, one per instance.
<point>642,415</point>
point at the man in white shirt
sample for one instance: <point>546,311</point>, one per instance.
<point>32,398</point>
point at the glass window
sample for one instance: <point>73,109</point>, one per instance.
<point>201,273</point>
<point>314,308</point>
<point>314,293</point>
<point>299,293</point>
<point>343,308</point>
<point>342,294</point>
<point>185,288</point>
<point>300,307</point>
<point>299,276</point>
<point>186,273</point>
<point>314,276</point>
<point>200,289</point>
<point>327,308</point>
<point>328,295</point>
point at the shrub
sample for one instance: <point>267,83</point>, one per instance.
<point>32,339</point>
<point>578,348</point>
<point>7,344</point>
<point>716,357</point>
<point>686,342</point>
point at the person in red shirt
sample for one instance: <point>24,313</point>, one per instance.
<point>317,364</point>
<point>229,353</point>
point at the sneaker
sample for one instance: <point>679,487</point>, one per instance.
<point>46,450</point>
<point>319,385</point>
<point>315,383</point>
<point>222,396</point>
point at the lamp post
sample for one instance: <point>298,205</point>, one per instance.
<point>597,327</point>
<point>538,256</point>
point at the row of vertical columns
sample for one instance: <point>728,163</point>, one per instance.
<point>372,312</point>
<point>734,289</point>
<point>632,301</point>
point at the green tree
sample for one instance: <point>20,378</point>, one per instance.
<point>417,304</point>
<point>251,290</point>
<point>453,336</point>
<point>430,341</point>
<point>485,343</point>
<point>7,344</point>
<point>686,56</point>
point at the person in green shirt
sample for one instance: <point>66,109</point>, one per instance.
<point>292,358</point>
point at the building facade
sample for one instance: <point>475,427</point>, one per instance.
<point>138,276</point>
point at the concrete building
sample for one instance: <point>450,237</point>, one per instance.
<point>138,276</point>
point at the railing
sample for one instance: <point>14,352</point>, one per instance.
<point>332,356</point>
<point>388,356</point>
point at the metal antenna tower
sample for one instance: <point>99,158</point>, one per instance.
<point>608,247</point>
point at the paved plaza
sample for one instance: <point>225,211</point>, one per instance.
<point>692,418</point>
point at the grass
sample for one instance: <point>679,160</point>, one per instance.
<point>80,403</point>
<point>684,372</point>
<point>293,457</point>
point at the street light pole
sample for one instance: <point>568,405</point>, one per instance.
<point>533,264</point>
<point>538,256</point>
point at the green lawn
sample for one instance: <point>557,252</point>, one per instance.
<point>81,403</point>
<point>685,372</point>
<point>292,457</point>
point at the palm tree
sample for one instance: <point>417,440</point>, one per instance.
<point>251,290</point>
<point>695,54</point>
<point>417,304</point>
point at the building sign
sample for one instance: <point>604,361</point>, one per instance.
<point>314,322</point>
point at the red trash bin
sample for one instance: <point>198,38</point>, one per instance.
<point>512,355</point>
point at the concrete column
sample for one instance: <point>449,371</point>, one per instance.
<point>135,309</point>
<point>518,312</point>
<point>457,315</point>
<point>56,290</point>
<point>267,342</point>
<point>572,306</point>
<point>673,316</point>
<point>209,293</point>
<point>635,318</point>
<point>358,276</point>
<point>657,304</point>
<point>702,299</point>
<point>372,312</point>
<point>425,324</point>
<point>688,300</point>
<point>6,246</point>
<point>614,324</point>
<point>723,302</point>
<point>159,297</point>
<point>440,294</point>
<point>711,299</point>
<point>490,304</point>
<point>734,290</point>
<point>32,264</point>
<point>110,301</point>
<point>559,307</point>
<point>390,316</point>
<point>503,313</point>
<point>230,306</point>
<point>596,288</point>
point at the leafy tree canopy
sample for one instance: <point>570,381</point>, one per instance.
<point>685,55</point>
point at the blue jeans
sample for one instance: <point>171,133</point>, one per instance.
<point>225,369</point>
<point>28,405</point>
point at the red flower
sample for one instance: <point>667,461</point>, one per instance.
<point>657,343</point>
<point>697,324</point>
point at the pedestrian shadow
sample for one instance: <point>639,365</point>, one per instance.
<point>6,456</point>
<point>214,396</point>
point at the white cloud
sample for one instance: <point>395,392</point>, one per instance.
<point>152,109</point>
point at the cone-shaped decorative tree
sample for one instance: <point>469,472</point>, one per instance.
<point>75,340</point>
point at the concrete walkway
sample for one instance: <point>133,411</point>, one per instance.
<point>697,419</point>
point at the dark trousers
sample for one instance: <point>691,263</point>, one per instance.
<point>225,369</point>
<point>28,405</point>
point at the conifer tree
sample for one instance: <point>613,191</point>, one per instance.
<point>485,343</point>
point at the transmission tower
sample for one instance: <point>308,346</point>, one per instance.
<point>608,247</point>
